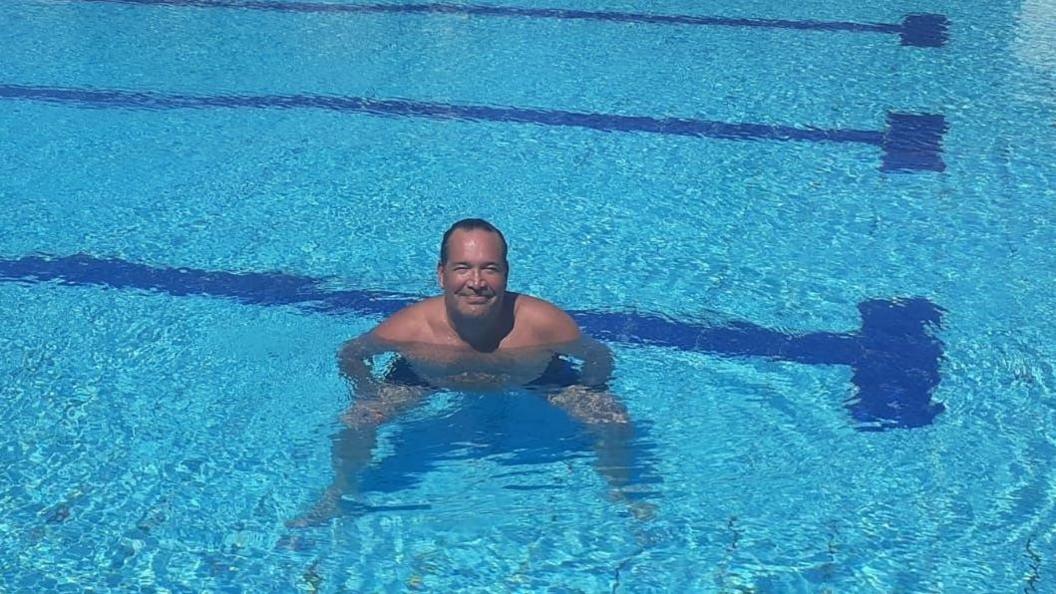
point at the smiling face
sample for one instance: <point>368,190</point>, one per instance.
<point>474,276</point>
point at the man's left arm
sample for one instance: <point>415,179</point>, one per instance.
<point>597,362</point>
<point>590,400</point>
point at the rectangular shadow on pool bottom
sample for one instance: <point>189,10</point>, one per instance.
<point>894,355</point>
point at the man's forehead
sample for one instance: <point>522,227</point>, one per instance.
<point>475,246</point>
<point>474,238</point>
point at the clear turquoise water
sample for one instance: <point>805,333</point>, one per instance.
<point>159,442</point>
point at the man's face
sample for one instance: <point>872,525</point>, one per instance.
<point>474,276</point>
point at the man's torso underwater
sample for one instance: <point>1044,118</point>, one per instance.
<point>465,370</point>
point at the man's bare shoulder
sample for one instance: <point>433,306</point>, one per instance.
<point>413,323</point>
<point>546,322</point>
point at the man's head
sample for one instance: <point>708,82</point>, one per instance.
<point>470,225</point>
<point>473,269</point>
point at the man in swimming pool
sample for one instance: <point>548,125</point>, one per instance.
<point>476,336</point>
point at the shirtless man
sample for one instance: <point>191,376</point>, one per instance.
<point>477,336</point>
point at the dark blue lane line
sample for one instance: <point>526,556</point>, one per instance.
<point>921,30</point>
<point>912,142</point>
<point>894,356</point>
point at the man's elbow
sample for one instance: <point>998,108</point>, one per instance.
<point>351,350</point>
<point>353,354</point>
<point>598,363</point>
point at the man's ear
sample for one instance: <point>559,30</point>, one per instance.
<point>440,275</point>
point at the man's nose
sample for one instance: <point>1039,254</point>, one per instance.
<point>476,279</point>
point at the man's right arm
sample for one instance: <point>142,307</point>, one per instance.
<point>352,360</point>
<point>354,356</point>
<point>376,399</point>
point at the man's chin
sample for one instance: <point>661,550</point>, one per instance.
<point>473,310</point>
<point>470,309</point>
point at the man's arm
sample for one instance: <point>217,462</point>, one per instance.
<point>352,360</point>
<point>597,361</point>
<point>377,400</point>
<point>589,400</point>
<point>354,356</point>
<point>555,327</point>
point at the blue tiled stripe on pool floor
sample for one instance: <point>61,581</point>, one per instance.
<point>894,355</point>
<point>911,142</point>
<point>920,30</point>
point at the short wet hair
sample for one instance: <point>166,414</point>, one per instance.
<point>472,225</point>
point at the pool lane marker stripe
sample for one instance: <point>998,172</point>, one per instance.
<point>919,30</point>
<point>911,142</point>
<point>894,356</point>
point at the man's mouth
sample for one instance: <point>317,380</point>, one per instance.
<point>477,299</point>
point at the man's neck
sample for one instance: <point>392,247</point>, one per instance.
<point>481,334</point>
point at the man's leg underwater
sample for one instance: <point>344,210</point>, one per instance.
<point>352,447</point>
<point>607,420</point>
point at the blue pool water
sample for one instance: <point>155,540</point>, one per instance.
<point>817,237</point>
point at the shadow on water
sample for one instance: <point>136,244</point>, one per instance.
<point>514,429</point>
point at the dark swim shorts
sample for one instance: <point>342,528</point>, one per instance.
<point>559,373</point>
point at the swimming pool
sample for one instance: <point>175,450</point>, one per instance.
<point>817,238</point>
